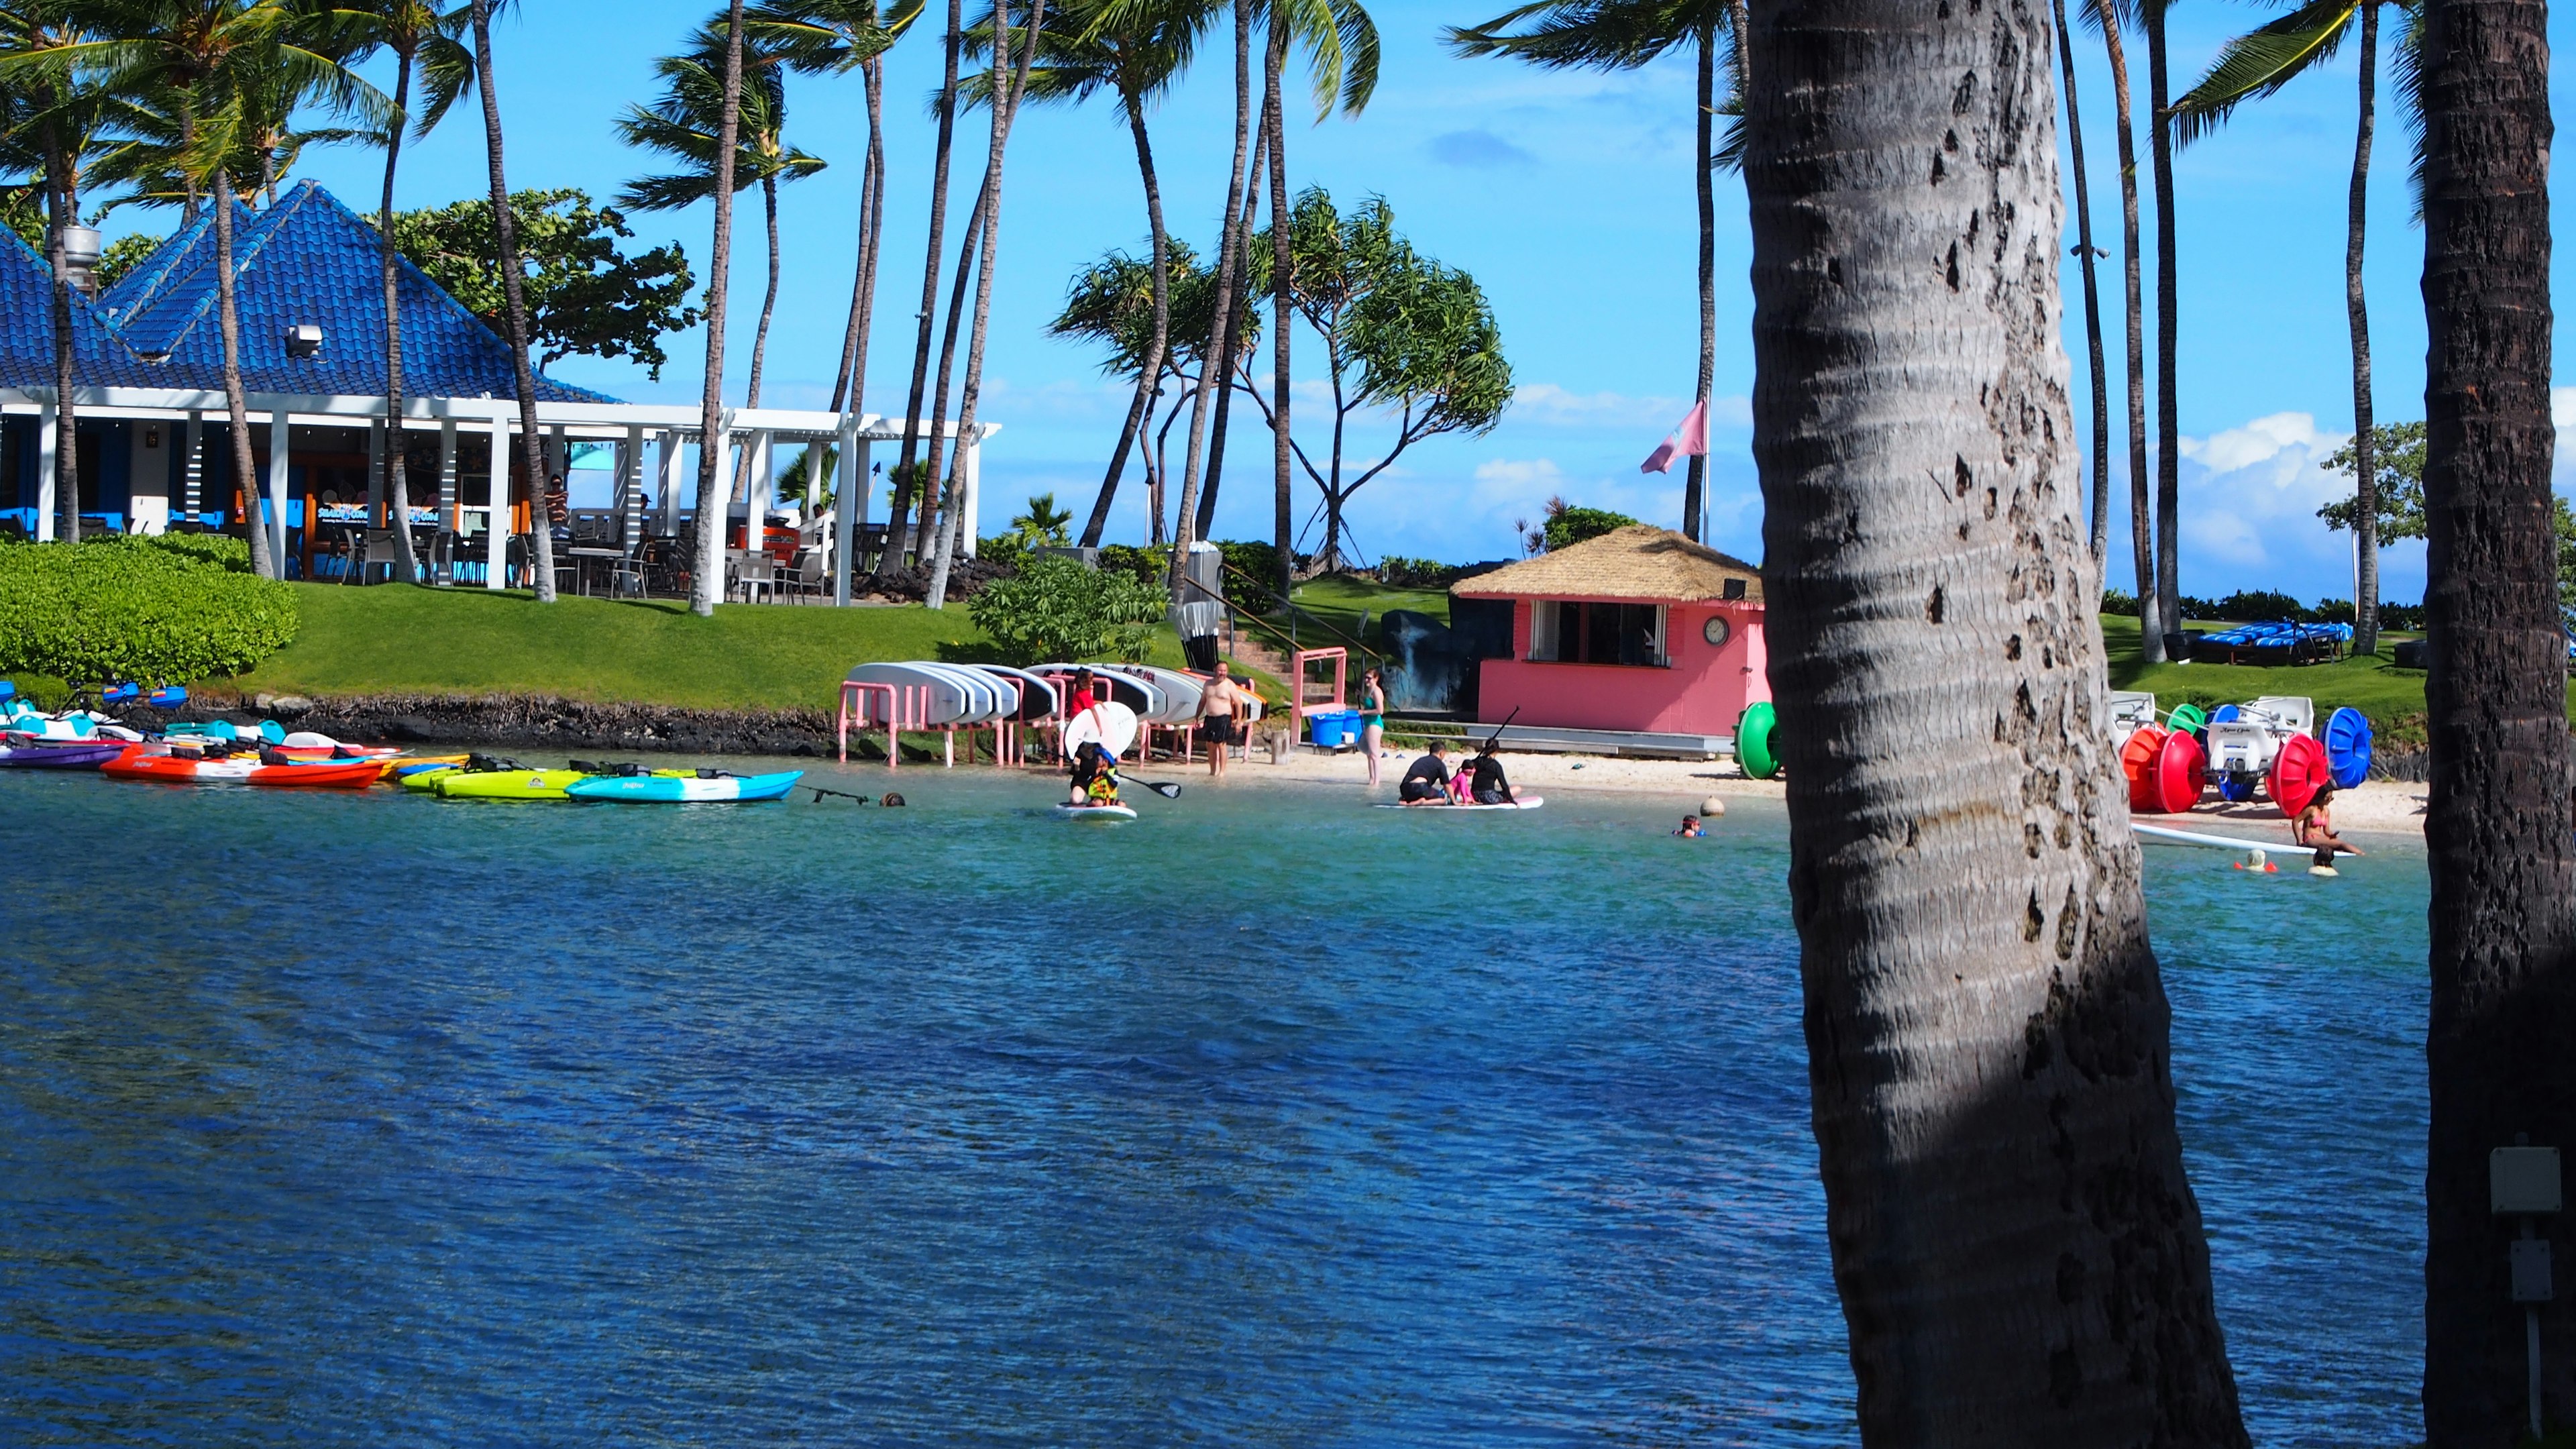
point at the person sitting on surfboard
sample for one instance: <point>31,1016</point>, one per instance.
<point>1488,787</point>
<point>2315,828</point>
<point>1427,783</point>
<point>1095,776</point>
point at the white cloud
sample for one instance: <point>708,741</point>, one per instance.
<point>1516,474</point>
<point>1550,405</point>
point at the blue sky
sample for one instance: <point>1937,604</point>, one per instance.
<point>1568,196</point>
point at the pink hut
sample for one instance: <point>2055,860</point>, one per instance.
<point>1639,630</point>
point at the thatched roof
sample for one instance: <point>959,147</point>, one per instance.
<point>1638,562</point>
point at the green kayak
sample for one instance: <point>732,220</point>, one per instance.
<point>506,784</point>
<point>423,782</point>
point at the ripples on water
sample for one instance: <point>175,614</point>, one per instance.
<point>1266,1120</point>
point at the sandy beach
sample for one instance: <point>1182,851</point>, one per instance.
<point>2377,807</point>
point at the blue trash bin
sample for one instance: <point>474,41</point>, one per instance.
<point>1334,729</point>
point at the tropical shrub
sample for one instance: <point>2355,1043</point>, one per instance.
<point>1055,609</point>
<point>137,608</point>
<point>1572,524</point>
<point>1253,583</point>
<point>1149,566</point>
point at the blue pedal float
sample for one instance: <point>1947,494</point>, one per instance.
<point>2347,741</point>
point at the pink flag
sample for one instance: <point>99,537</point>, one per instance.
<point>1688,440</point>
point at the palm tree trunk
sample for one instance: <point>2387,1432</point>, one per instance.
<point>2365,538</point>
<point>707,584</point>
<point>505,226</point>
<point>2002,1150</point>
<point>934,466</point>
<point>1149,378</point>
<point>1226,355</point>
<point>849,384</point>
<point>2085,250</point>
<point>236,402</point>
<point>2151,619</point>
<point>755,521</point>
<point>58,199</point>
<point>1282,520</point>
<point>892,558</point>
<point>1185,522</point>
<point>2502,860</point>
<point>2168,316</point>
<point>1006,110</point>
<point>1695,480</point>
<point>395,482</point>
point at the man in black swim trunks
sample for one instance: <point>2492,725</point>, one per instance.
<point>1427,783</point>
<point>1486,785</point>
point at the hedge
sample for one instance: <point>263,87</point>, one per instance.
<point>147,609</point>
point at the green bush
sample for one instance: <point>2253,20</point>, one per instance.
<point>1148,566</point>
<point>1572,525</point>
<point>220,549</point>
<point>137,608</point>
<point>1056,609</point>
<point>1254,582</point>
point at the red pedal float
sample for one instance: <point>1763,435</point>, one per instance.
<point>2166,770</point>
<point>2299,770</point>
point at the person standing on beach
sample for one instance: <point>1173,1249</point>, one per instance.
<point>1372,720</point>
<point>1217,704</point>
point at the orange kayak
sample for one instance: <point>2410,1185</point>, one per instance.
<point>239,770</point>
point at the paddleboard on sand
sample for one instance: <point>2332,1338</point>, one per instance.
<point>1525,802</point>
<point>1095,812</point>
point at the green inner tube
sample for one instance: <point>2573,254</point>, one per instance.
<point>1753,742</point>
<point>2187,718</point>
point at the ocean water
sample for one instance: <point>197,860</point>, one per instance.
<point>1264,1120</point>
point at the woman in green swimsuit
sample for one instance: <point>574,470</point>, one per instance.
<point>1372,704</point>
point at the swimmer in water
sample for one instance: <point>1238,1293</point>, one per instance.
<point>1690,828</point>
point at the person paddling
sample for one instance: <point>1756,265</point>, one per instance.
<point>1095,776</point>
<point>1217,704</point>
<point>1427,783</point>
<point>1488,787</point>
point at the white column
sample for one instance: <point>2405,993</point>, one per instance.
<point>630,482</point>
<point>147,473</point>
<point>671,443</point>
<point>280,443</point>
<point>192,480</point>
<point>377,495</point>
<point>496,520</point>
<point>557,456</point>
<point>447,473</point>
<point>850,483</point>
<point>758,491</point>
<point>48,441</point>
<point>969,491</point>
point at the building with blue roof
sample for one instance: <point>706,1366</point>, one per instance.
<point>309,287</point>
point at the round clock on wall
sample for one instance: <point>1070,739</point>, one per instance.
<point>1716,631</point>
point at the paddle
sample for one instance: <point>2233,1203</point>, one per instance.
<point>1166,790</point>
<point>820,792</point>
<point>1506,724</point>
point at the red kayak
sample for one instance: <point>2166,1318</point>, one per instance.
<point>239,770</point>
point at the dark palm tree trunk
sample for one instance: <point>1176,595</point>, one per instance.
<point>505,226</point>
<point>1006,110</point>
<point>395,482</point>
<point>1282,521</point>
<point>1185,522</point>
<point>2365,587</point>
<point>2168,317</point>
<point>1695,481</point>
<point>849,385</point>
<point>2085,250</point>
<point>2503,861</point>
<point>769,297</point>
<point>59,202</point>
<point>934,463</point>
<point>1149,378</point>
<point>2142,538</point>
<point>1228,357</point>
<point>236,402</point>
<point>707,585</point>
<point>1987,1033</point>
<point>892,558</point>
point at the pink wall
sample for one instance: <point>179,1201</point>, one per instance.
<point>1703,692</point>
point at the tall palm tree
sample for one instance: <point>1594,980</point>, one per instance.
<point>1283,523</point>
<point>890,558</point>
<point>2088,254</point>
<point>235,67</point>
<point>1004,102</point>
<point>684,124</point>
<point>1228,272</point>
<point>836,37</point>
<point>1987,1032</point>
<point>406,28</point>
<point>2108,17</point>
<point>2256,65</point>
<point>49,117</point>
<point>1624,35</point>
<point>707,581</point>
<point>505,226</point>
<point>2168,318</point>
<point>2502,860</point>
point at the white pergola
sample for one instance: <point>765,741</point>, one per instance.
<point>628,426</point>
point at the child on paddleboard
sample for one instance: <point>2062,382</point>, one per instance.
<point>1095,776</point>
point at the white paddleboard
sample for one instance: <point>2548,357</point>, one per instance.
<point>1095,812</point>
<point>1525,802</point>
<point>2164,836</point>
<point>1110,723</point>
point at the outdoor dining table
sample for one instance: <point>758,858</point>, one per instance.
<point>584,559</point>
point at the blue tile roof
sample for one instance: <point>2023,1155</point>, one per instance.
<point>306,259</point>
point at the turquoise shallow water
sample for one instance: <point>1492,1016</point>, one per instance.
<point>1267,1119</point>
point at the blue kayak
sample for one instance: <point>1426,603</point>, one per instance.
<point>670,789</point>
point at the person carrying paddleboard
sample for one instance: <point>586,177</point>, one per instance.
<point>1095,776</point>
<point>1427,783</point>
<point>1218,701</point>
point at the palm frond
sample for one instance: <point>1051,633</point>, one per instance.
<point>2259,63</point>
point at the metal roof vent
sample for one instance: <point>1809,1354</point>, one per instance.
<point>304,339</point>
<point>81,255</point>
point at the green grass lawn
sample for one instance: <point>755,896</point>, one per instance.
<point>1343,602</point>
<point>399,639</point>
<point>2375,686</point>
